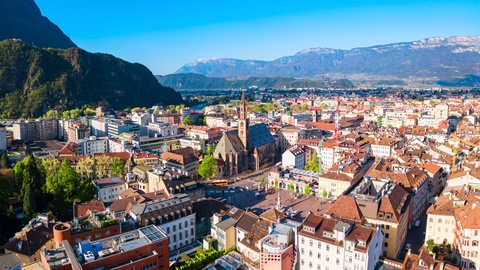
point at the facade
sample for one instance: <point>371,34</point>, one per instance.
<point>40,129</point>
<point>295,178</point>
<point>116,127</point>
<point>174,215</point>
<point>91,145</point>
<point>77,131</point>
<point>156,129</point>
<point>144,248</point>
<point>157,144</point>
<point>109,189</point>
<point>294,157</point>
<point>467,236</point>
<point>441,218</point>
<point>277,249</point>
<point>182,160</point>
<point>330,244</point>
<point>248,147</point>
<point>223,231</point>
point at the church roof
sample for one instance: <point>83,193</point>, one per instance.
<point>234,140</point>
<point>260,135</point>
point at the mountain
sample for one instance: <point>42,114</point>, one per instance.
<point>22,19</point>
<point>34,80</point>
<point>467,81</point>
<point>433,57</point>
<point>197,81</point>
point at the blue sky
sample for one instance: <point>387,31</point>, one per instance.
<point>165,35</point>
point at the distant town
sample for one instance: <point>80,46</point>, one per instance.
<point>382,178</point>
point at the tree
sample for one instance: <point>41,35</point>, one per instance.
<point>276,183</point>
<point>68,181</point>
<point>289,112</point>
<point>86,192</point>
<point>262,181</point>
<point>307,190</point>
<point>208,168</point>
<point>312,164</point>
<point>117,168</point>
<point>290,187</point>
<point>5,162</point>
<point>325,194</point>
<point>210,149</point>
<point>188,121</point>
<point>30,193</point>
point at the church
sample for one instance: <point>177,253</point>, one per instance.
<point>246,148</point>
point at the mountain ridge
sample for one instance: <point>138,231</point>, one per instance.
<point>440,57</point>
<point>63,79</point>
<point>22,19</point>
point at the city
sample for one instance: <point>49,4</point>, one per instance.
<point>372,182</point>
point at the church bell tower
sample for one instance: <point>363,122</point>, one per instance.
<point>243,123</point>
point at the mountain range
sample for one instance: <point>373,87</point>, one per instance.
<point>22,19</point>
<point>197,81</point>
<point>438,57</point>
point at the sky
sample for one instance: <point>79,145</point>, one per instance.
<point>164,35</point>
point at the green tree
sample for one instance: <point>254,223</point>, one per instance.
<point>307,190</point>
<point>68,181</point>
<point>117,168</point>
<point>210,149</point>
<point>325,194</point>
<point>276,183</point>
<point>290,187</point>
<point>312,164</point>
<point>5,162</point>
<point>430,245</point>
<point>290,112</point>
<point>31,194</point>
<point>324,106</point>
<point>261,182</point>
<point>4,194</point>
<point>208,168</point>
<point>86,192</point>
<point>188,121</point>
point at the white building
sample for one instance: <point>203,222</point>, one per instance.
<point>161,129</point>
<point>330,244</point>
<point>92,145</point>
<point>294,157</point>
<point>174,215</point>
<point>141,118</point>
<point>3,139</point>
<point>467,236</point>
<point>99,128</point>
<point>109,189</point>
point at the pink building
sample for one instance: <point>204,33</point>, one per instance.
<point>276,249</point>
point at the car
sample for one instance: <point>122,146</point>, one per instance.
<point>408,246</point>
<point>241,189</point>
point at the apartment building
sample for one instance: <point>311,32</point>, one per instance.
<point>467,236</point>
<point>109,189</point>
<point>40,129</point>
<point>174,215</point>
<point>182,160</point>
<point>91,145</point>
<point>77,131</point>
<point>156,129</point>
<point>330,244</point>
<point>277,249</point>
<point>294,157</point>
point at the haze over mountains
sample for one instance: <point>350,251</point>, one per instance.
<point>443,58</point>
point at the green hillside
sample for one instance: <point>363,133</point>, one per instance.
<point>197,81</point>
<point>33,81</point>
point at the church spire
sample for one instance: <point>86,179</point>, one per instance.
<point>243,124</point>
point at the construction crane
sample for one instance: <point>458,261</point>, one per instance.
<point>454,158</point>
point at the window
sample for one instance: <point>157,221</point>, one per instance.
<point>310,253</point>
<point>179,226</point>
<point>302,251</point>
<point>319,245</point>
<point>385,244</point>
<point>337,261</point>
<point>388,227</point>
<point>319,255</point>
<point>168,229</point>
<point>311,243</point>
<point>303,262</point>
<point>159,245</point>
<point>310,264</point>
<point>328,247</point>
<point>303,240</point>
<point>387,235</point>
<point>327,258</point>
<point>174,228</point>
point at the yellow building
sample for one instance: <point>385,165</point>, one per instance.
<point>223,231</point>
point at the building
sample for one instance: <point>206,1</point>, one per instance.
<point>174,215</point>
<point>247,148</point>
<point>155,144</point>
<point>3,138</point>
<point>10,261</point>
<point>182,160</point>
<point>467,237</point>
<point>156,129</point>
<point>40,129</point>
<point>77,131</point>
<point>277,249</point>
<point>91,145</point>
<point>109,189</point>
<point>378,203</point>
<point>413,179</point>
<point>330,244</point>
<point>294,157</point>
<point>144,248</point>
<point>224,231</point>
<point>294,179</point>
<point>116,127</point>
